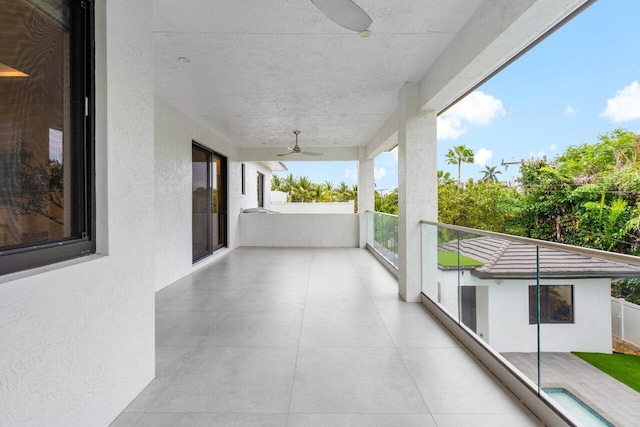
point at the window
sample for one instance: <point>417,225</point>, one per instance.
<point>260,194</point>
<point>556,304</point>
<point>244,176</point>
<point>209,198</point>
<point>46,132</point>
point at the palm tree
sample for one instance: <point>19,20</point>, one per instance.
<point>304,189</point>
<point>276,182</point>
<point>490,174</point>
<point>287,185</point>
<point>343,193</point>
<point>328,185</point>
<point>444,177</point>
<point>322,193</point>
<point>457,156</point>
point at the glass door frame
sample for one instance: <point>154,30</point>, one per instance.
<point>221,185</point>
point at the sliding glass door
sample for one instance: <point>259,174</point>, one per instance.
<point>209,202</point>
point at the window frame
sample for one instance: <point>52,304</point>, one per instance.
<point>82,115</point>
<point>533,317</point>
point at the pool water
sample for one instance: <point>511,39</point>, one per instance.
<point>577,408</point>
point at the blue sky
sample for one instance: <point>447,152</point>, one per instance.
<point>582,81</point>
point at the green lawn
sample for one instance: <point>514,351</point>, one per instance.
<point>450,259</point>
<point>623,367</point>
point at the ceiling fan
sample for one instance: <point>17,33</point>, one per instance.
<point>297,150</point>
<point>347,14</point>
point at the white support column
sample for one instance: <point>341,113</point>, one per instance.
<point>417,187</point>
<point>366,200</point>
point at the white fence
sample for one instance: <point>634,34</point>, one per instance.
<point>625,318</point>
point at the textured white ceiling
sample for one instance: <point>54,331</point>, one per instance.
<point>261,68</point>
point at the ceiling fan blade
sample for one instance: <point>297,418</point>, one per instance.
<point>285,154</point>
<point>311,153</point>
<point>345,13</point>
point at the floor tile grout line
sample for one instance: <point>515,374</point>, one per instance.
<point>386,328</point>
<point>295,365</point>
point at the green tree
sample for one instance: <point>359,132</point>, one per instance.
<point>343,193</point>
<point>389,202</point>
<point>482,205</point>
<point>304,190</point>
<point>444,177</point>
<point>458,155</point>
<point>276,182</point>
<point>490,174</point>
<point>287,185</point>
<point>547,211</point>
<point>629,289</point>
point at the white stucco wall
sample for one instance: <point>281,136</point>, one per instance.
<point>504,319</point>
<point>77,338</point>
<point>175,133</point>
<point>299,230</point>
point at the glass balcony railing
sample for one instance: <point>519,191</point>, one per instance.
<point>382,235</point>
<point>546,311</point>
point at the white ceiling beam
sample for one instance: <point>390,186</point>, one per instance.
<point>385,138</point>
<point>498,32</point>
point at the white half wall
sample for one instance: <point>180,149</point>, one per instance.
<point>300,230</point>
<point>77,339</point>
<point>315,208</point>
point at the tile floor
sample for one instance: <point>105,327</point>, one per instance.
<point>309,337</point>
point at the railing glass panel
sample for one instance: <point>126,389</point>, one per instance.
<point>383,235</point>
<point>539,306</point>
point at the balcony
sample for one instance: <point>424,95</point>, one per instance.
<point>309,337</point>
<point>261,334</point>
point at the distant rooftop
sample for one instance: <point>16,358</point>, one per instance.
<point>504,259</point>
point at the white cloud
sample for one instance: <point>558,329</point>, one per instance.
<point>450,128</point>
<point>538,155</point>
<point>625,105</point>
<point>351,174</point>
<point>482,157</point>
<point>553,147</point>
<point>570,111</point>
<point>476,108</point>
<point>379,172</point>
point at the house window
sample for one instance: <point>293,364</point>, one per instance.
<point>46,132</point>
<point>556,304</point>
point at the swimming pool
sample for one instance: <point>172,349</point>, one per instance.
<point>577,408</point>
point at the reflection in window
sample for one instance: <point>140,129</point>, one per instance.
<point>556,304</point>
<point>45,138</point>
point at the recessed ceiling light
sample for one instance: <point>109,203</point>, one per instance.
<point>365,33</point>
<point>184,59</point>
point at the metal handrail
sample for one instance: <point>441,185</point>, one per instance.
<point>593,253</point>
<point>382,213</point>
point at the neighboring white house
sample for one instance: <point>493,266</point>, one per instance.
<point>497,300</point>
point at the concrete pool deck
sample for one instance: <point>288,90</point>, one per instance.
<point>615,401</point>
